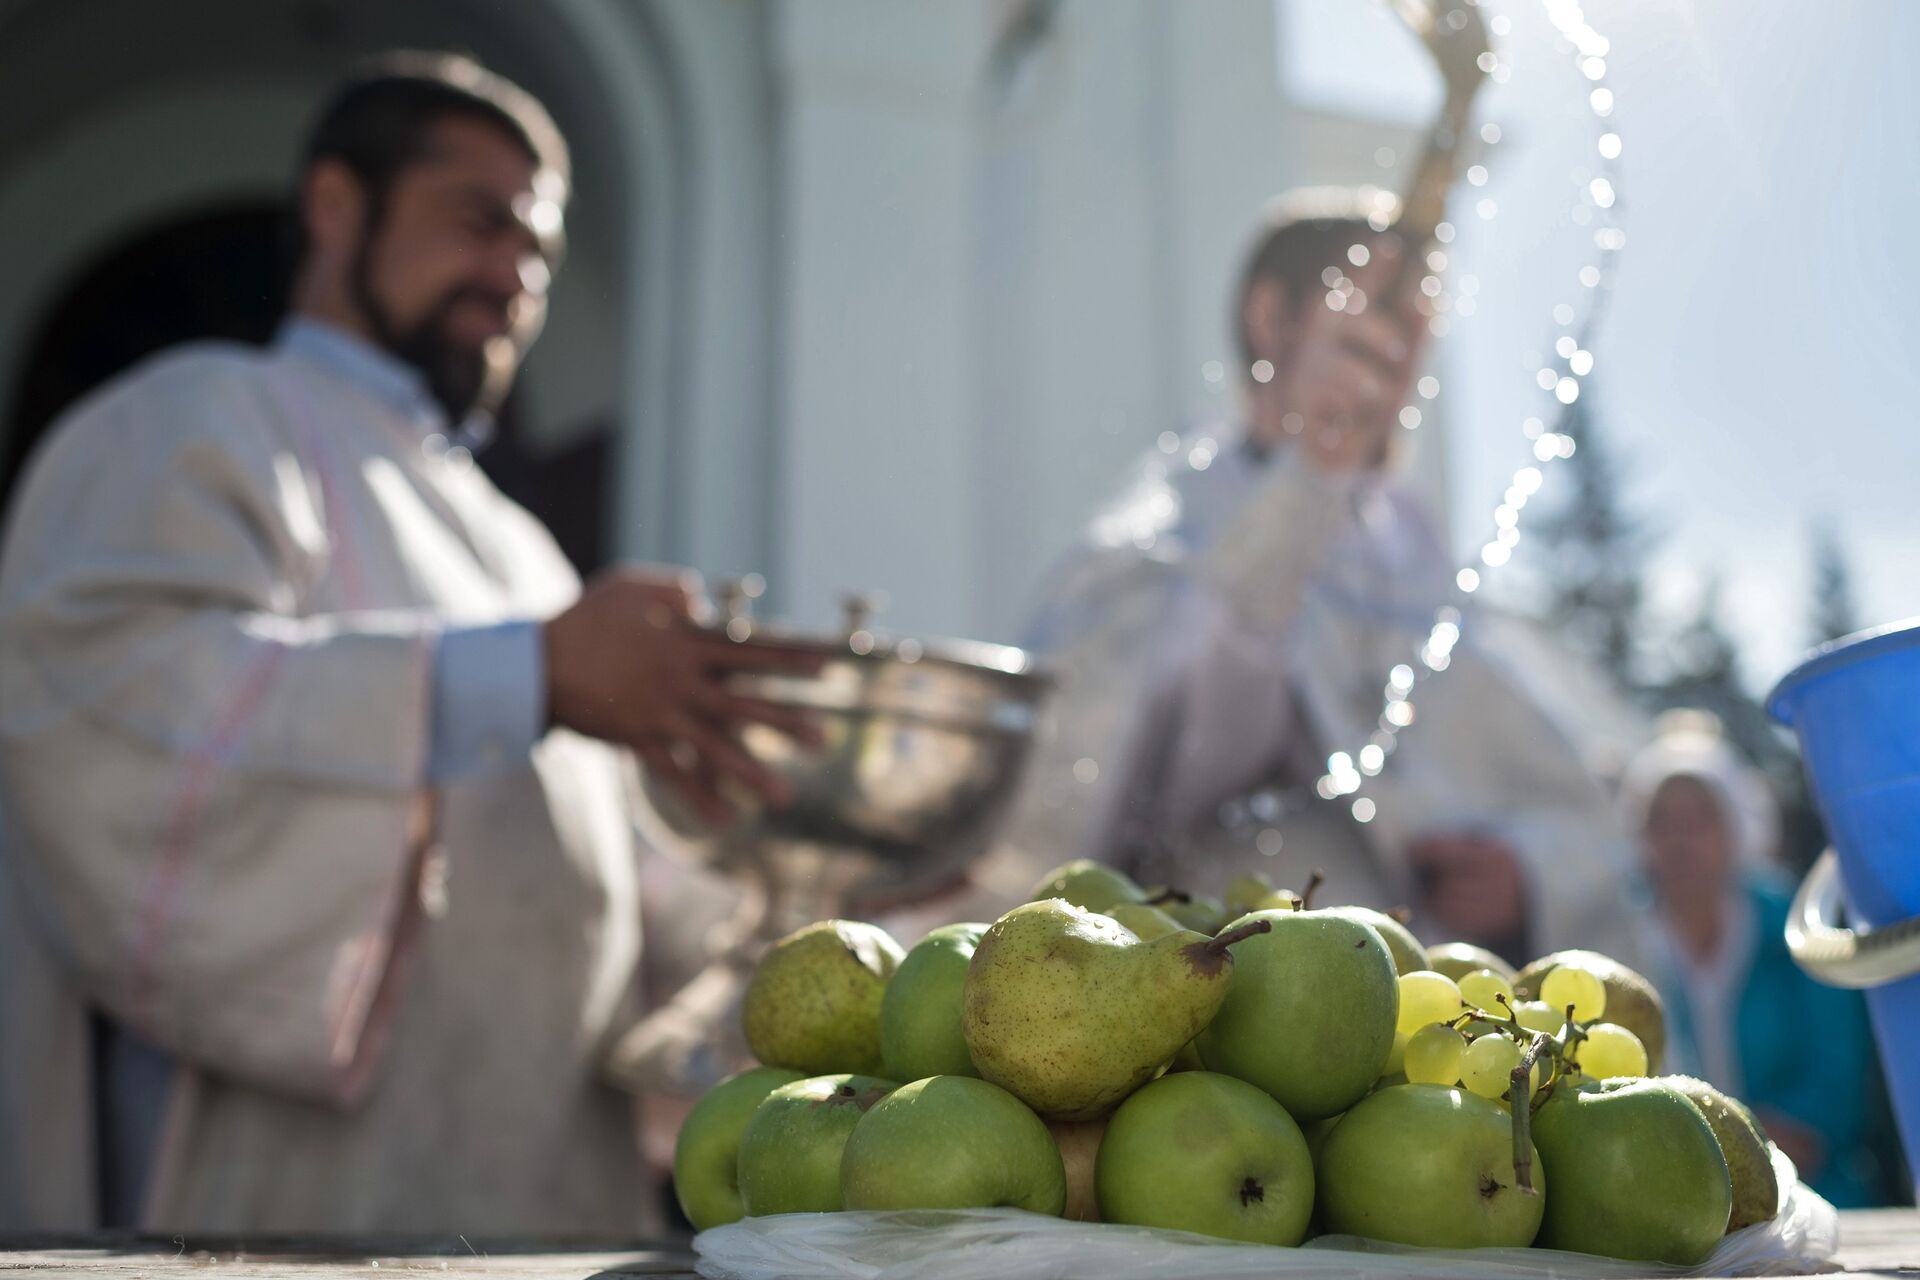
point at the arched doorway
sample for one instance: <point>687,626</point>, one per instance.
<point>119,155</point>
<point>210,274</point>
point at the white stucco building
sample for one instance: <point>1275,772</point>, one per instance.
<point>855,301</point>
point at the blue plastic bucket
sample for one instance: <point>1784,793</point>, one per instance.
<point>1855,705</point>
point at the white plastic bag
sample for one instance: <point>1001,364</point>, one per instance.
<point>1006,1244</point>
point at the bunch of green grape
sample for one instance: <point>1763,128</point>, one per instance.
<point>1474,1034</point>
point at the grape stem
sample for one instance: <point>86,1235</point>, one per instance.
<point>1314,882</point>
<point>1572,1035</point>
<point>1520,1092</point>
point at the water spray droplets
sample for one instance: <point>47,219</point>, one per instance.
<point>1346,773</point>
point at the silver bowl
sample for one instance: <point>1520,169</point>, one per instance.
<point>924,745</point>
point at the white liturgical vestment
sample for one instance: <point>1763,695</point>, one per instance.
<point>1232,622</point>
<point>222,584</point>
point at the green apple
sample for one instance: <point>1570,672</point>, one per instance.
<point>706,1155</point>
<point>1429,1166</point>
<point>790,1151</point>
<point>1756,1191</point>
<point>920,1032</point>
<point>1310,1017</point>
<point>1636,1173</point>
<point>813,1003</point>
<point>1089,885</point>
<point>952,1142</point>
<point>1207,1153</point>
<point>1406,950</point>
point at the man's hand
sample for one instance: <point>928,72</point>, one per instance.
<point>628,664</point>
<point>1348,372</point>
<point>1470,885</point>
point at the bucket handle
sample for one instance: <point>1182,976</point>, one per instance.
<point>1839,956</point>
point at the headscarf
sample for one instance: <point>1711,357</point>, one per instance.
<point>1690,744</point>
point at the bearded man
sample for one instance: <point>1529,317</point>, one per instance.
<point>318,899</point>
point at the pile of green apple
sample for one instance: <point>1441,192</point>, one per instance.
<point>1249,1068</point>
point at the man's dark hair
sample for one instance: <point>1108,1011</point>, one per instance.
<point>1304,233</point>
<point>380,120</point>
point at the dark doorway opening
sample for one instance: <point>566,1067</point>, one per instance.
<point>218,273</point>
<point>211,274</point>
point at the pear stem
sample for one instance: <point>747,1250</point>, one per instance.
<point>1314,881</point>
<point>1238,933</point>
<point>1520,1096</point>
<point>1180,896</point>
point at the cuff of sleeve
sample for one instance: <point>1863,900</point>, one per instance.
<point>488,700</point>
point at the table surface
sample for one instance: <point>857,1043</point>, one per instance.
<point>1873,1242</point>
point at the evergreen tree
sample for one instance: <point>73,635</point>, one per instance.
<point>1706,665</point>
<point>1834,613</point>
<point>1593,556</point>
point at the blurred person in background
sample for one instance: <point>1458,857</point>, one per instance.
<point>1740,1013</point>
<point>1232,620</point>
<point>318,900</point>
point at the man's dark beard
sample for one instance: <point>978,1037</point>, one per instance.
<point>456,375</point>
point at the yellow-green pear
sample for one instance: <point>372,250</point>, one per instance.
<point>1094,886</point>
<point>1079,1143</point>
<point>1195,911</point>
<point>1246,890</point>
<point>1070,1012</point>
<point>1458,959</point>
<point>1144,922</point>
<point>1147,923</point>
<point>813,1003</point>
